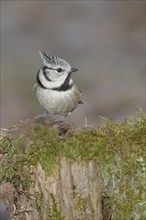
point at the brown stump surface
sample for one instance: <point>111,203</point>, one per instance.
<point>73,193</point>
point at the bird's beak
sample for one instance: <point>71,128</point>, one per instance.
<point>73,70</point>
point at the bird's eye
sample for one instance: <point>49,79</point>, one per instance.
<point>59,70</point>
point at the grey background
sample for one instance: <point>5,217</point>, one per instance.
<point>104,39</point>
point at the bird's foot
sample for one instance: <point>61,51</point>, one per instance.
<point>59,118</point>
<point>47,118</point>
<point>44,118</point>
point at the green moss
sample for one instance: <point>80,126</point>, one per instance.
<point>118,149</point>
<point>54,213</point>
<point>82,204</point>
<point>38,200</point>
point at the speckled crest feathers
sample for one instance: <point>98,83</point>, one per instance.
<point>52,60</point>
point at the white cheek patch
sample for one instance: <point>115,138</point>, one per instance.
<point>53,75</point>
<point>51,84</point>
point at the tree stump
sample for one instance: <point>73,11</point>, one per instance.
<point>73,192</point>
<point>54,172</point>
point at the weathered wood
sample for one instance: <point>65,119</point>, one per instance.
<point>74,191</point>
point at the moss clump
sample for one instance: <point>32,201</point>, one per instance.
<point>54,213</point>
<point>38,200</point>
<point>81,204</point>
<point>118,149</point>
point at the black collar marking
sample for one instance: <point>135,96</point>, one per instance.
<point>65,86</point>
<point>45,74</point>
<point>39,82</point>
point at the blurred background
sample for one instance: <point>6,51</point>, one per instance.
<point>104,39</point>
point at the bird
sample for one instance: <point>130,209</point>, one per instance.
<point>56,91</point>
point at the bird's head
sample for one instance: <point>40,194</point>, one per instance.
<point>55,69</point>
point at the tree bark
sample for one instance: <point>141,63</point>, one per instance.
<point>72,193</point>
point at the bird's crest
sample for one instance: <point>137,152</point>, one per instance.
<point>51,59</point>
